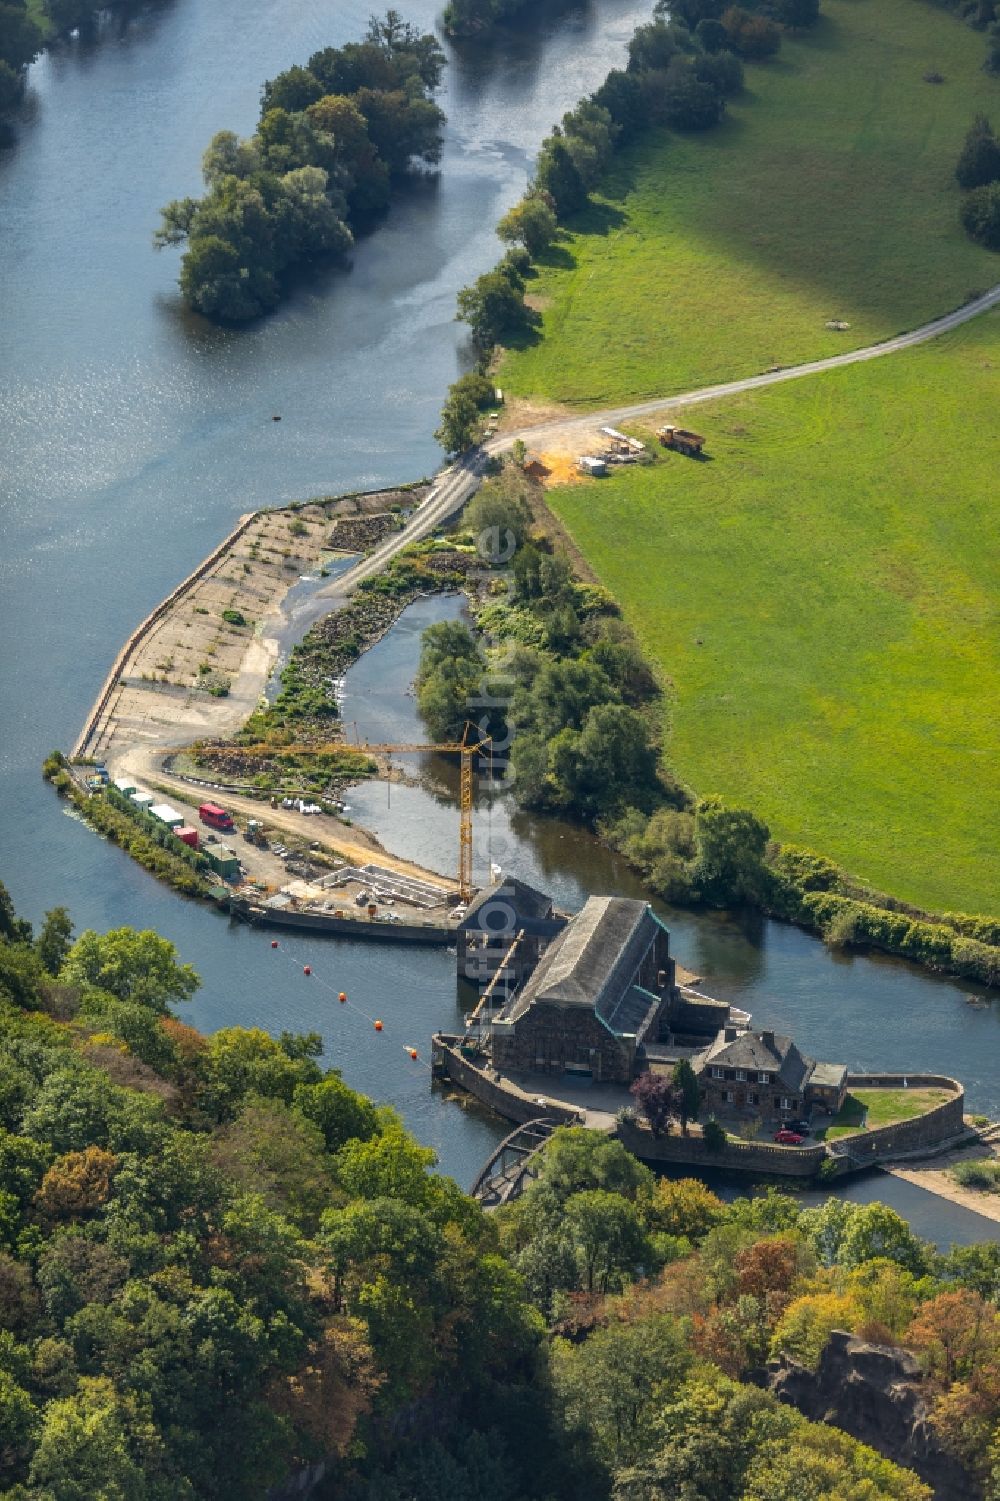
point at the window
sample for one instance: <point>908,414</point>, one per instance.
<point>763,1078</point>
<point>730,1097</point>
<point>718,1073</point>
<point>741,1075</point>
<point>751,1097</point>
<point>786,1103</point>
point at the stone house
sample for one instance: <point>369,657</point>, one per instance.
<point>762,1075</point>
<point>596,997</point>
<point>493,920</point>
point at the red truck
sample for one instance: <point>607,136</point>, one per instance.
<point>216,817</point>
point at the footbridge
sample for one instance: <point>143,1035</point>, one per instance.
<point>514,1164</point>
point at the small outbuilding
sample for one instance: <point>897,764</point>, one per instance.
<point>167,815</point>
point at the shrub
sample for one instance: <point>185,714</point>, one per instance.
<point>234,617</point>
<point>979,162</point>
<point>751,36</point>
<point>983,1174</point>
<point>981,215</point>
<point>713,1135</point>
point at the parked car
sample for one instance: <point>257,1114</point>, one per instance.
<point>787,1138</point>
<point>802,1125</point>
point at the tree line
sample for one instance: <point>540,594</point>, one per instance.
<point>333,138</point>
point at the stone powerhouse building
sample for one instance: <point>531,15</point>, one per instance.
<point>598,995</point>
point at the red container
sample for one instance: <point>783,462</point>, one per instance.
<point>188,835</point>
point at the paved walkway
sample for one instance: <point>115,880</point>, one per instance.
<point>599,1102</point>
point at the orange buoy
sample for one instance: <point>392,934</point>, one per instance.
<point>413,1053</point>
<point>378,1026</point>
<point>274,943</point>
<point>306,970</point>
<point>342,997</point>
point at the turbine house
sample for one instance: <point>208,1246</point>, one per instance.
<point>595,999</point>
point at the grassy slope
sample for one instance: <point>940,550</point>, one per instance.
<point>823,597</point>
<point>828,192</point>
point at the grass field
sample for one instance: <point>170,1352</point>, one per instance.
<point>822,600</point>
<point>827,193</point>
<point>866,1109</point>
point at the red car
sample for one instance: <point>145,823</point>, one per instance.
<point>786,1138</point>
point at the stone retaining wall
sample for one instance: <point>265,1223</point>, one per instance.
<point>490,1089</point>
<point>761,1157</point>
<point>924,1131</point>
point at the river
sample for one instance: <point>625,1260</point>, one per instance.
<point>134,434</point>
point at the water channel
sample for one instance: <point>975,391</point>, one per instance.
<point>134,435</point>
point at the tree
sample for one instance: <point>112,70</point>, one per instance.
<point>730,845</point>
<point>979,162</point>
<point>751,36</point>
<point>608,1236</point>
<point>77,1184</point>
<point>608,1386</point>
<point>682,100</point>
<point>98,1443</point>
<point>684,1206</point>
<point>13,929</point>
<point>20,39</point>
<point>657,1098</point>
<point>621,95</point>
<point>242,1061</point>
<point>981,215</point>
<point>134,966</point>
<point>339,1112</point>
<point>556,175</point>
<point>531,223</point>
<point>712,35</point>
<point>876,1231</point>
<point>55,940</point>
<point>576,1159</point>
<point>19,1422</point>
<point>688,1092</point>
<point>294,90</point>
<point>713,1135</point>
<point>494,310</point>
<point>468,398</point>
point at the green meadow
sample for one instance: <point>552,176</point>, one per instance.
<point>822,601</point>
<point>826,194</point>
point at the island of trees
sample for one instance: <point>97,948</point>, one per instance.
<point>220,1265</point>
<point>333,138</point>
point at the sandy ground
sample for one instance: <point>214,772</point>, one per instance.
<point>935,1177</point>
<point>162,693</point>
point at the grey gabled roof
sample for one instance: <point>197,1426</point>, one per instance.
<point>760,1052</point>
<point>490,911</point>
<point>593,964</point>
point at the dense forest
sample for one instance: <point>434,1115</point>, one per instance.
<point>220,1265</point>
<point>333,138</point>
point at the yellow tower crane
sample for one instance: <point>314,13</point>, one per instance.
<point>466,749</point>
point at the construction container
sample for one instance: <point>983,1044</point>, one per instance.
<point>142,799</point>
<point>125,786</point>
<point>587,464</point>
<point>187,835</point>
<point>167,815</point>
<point>224,861</point>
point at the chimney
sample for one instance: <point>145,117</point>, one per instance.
<point>731,1034</point>
<point>767,1038</point>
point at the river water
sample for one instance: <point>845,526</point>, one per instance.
<point>134,435</point>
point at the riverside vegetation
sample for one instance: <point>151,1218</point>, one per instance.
<point>585,715</point>
<point>218,1264</point>
<point>334,136</point>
